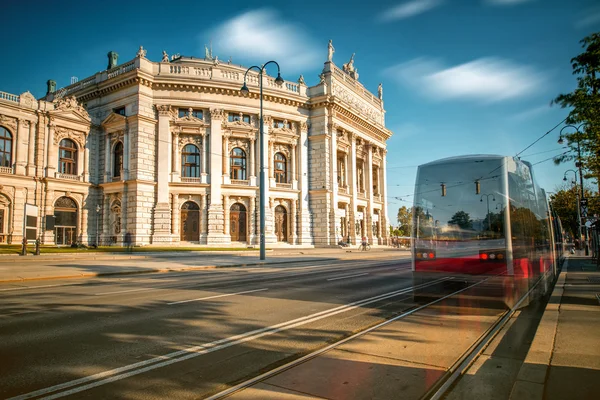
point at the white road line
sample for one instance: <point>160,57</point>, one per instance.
<point>125,291</point>
<point>182,355</point>
<point>32,287</point>
<point>347,276</point>
<point>217,296</point>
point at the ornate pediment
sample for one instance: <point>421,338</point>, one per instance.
<point>190,139</point>
<point>68,108</point>
<point>114,122</point>
<point>243,144</point>
<point>28,100</point>
<point>283,149</point>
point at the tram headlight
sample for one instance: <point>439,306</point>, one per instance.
<point>492,256</point>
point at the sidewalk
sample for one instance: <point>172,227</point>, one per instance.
<point>563,361</point>
<point>70,265</point>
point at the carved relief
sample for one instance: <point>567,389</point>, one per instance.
<point>358,104</point>
<point>24,123</point>
<point>242,144</point>
<point>164,110</point>
<point>303,126</point>
<point>64,133</point>
<point>216,113</point>
<point>28,100</point>
<point>283,149</point>
<point>70,103</point>
<point>8,122</point>
<point>190,139</point>
<point>268,120</point>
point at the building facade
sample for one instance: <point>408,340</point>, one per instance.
<point>169,151</point>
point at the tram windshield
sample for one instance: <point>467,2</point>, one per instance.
<point>460,205</point>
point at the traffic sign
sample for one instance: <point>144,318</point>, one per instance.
<point>583,202</point>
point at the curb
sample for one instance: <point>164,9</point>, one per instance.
<point>151,271</point>
<point>531,379</point>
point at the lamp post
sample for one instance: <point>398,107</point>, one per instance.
<point>578,165</point>
<point>487,197</point>
<point>97,221</point>
<point>262,181</point>
<point>577,197</point>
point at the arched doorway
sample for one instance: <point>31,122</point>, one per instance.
<point>237,222</point>
<point>190,222</point>
<point>65,222</point>
<point>281,224</point>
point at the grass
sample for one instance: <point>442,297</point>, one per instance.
<point>16,249</point>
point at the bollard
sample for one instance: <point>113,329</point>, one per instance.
<point>37,247</point>
<point>24,247</point>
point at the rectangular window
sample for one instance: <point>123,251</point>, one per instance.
<point>120,111</point>
<point>238,117</point>
<point>278,123</point>
<point>184,112</point>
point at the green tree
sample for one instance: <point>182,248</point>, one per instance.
<point>584,103</point>
<point>404,221</point>
<point>564,203</point>
<point>462,219</point>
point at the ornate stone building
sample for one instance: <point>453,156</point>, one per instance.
<point>169,152</point>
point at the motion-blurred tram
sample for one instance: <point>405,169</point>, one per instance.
<point>479,216</point>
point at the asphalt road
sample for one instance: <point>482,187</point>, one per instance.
<point>184,335</point>
<point>192,334</point>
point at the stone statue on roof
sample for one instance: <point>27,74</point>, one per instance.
<point>301,80</point>
<point>165,57</point>
<point>380,91</point>
<point>349,68</point>
<point>330,51</point>
<point>141,53</point>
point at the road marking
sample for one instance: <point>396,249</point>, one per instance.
<point>125,291</point>
<point>105,377</point>
<point>217,296</point>
<point>33,287</point>
<point>347,276</point>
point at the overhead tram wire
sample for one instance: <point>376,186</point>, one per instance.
<point>551,158</point>
<point>541,137</point>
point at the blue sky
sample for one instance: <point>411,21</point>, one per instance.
<point>459,77</point>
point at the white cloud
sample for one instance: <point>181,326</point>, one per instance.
<point>485,79</point>
<point>263,35</point>
<point>591,18</point>
<point>409,9</point>
<point>531,113</point>
<point>506,2</point>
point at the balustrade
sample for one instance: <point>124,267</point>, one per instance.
<point>241,182</point>
<point>6,170</point>
<point>190,180</point>
<point>9,97</point>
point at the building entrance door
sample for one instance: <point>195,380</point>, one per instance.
<point>190,222</point>
<point>281,224</point>
<point>237,222</point>
<point>65,223</point>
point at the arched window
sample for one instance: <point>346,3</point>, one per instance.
<point>5,148</point>
<point>118,160</point>
<point>67,157</point>
<point>238,164</point>
<point>190,161</point>
<point>280,168</point>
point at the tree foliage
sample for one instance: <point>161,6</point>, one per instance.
<point>564,203</point>
<point>404,221</point>
<point>584,103</point>
<point>462,219</point>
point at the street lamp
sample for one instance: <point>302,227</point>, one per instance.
<point>97,221</point>
<point>487,197</point>
<point>578,203</point>
<point>578,165</point>
<point>262,181</point>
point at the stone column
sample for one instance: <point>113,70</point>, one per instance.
<point>294,178</point>
<point>175,159</point>
<point>215,209</point>
<point>353,187</point>
<point>126,151</point>
<point>305,235</point>
<point>162,208</point>
<point>252,166</point>
<point>293,216</point>
<point>227,222</point>
<point>384,215</point>
<point>369,188</point>
<point>271,161</point>
<point>333,220</point>
<point>269,225</point>
<point>31,151</point>
<point>107,157</point>
<point>175,217</point>
<point>48,235</point>
<point>52,160</point>
<point>204,171</point>
<point>252,221</point>
<point>84,221</point>
<point>20,148</point>
<point>203,219</point>
<point>106,216</point>
<point>86,159</point>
